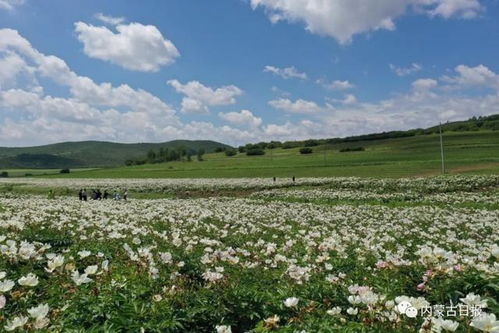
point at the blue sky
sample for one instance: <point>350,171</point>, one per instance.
<point>241,71</point>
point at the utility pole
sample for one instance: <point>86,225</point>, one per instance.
<point>442,150</point>
<point>325,149</point>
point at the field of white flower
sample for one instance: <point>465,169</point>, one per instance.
<point>323,255</point>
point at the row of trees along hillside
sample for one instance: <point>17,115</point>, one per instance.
<point>168,155</point>
<point>490,123</point>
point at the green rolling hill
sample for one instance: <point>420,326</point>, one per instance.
<point>89,154</point>
<point>465,152</point>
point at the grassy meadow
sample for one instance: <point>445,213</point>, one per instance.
<point>466,152</point>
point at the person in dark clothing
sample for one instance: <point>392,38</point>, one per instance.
<point>99,194</point>
<point>294,179</point>
<point>274,179</point>
<point>84,194</point>
<point>80,194</point>
<point>105,195</point>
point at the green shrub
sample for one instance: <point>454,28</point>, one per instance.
<point>230,152</point>
<point>306,150</point>
<point>345,150</point>
<point>255,152</point>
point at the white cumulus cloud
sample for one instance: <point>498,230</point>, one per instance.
<point>111,20</point>
<point>299,106</point>
<point>10,4</point>
<point>424,84</point>
<point>474,76</point>
<point>404,71</point>
<point>449,8</point>
<point>286,73</point>
<point>336,85</point>
<point>342,19</point>
<point>243,118</point>
<point>133,46</point>
<point>198,97</point>
<point>349,99</point>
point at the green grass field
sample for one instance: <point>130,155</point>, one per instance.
<point>38,172</point>
<point>466,152</point>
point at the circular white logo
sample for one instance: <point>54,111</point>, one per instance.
<point>411,312</point>
<point>403,306</point>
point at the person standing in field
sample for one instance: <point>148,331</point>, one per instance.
<point>80,195</point>
<point>125,195</point>
<point>84,194</point>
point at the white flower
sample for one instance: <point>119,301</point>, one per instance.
<point>29,280</point>
<point>55,262</point>
<point>105,265</point>
<point>352,311</point>
<point>91,270</point>
<point>486,323</point>
<point>166,257</point>
<point>223,329</point>
<point>2,301</point>
<point>41,323</point>
<point>16,323</point>
<point>212,276</point>
<point>449,325</point>
<point>40,311</point>
<point>474,300</point>
<point>84,254</point>
<point>6,285</point>
<point>439,324</point>
<point>80,279</point>
<point>291,302</point>
<point>334,311</point>
<point>272,321</point>
<point>157,298</point>
<point>2,275</point>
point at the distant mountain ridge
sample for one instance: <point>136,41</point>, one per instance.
<point>90,154</point>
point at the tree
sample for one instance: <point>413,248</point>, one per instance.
<point>311,143</point>
<point>230,152</point>
<point>151,156</point>
<point>4,174</point>
<point>200,154</point>
<point>255,152</point>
